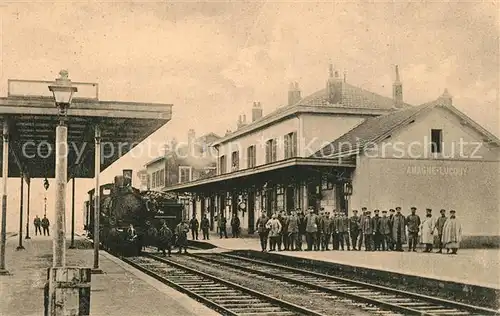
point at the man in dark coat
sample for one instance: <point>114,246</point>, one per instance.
<point>283,240</point>
<point>413,223</point>
<point>194,225</point>
<point>312,223</point>
<point>222,226</point>
<point>37,222</point>
<point>302,229</point>
<point>367,229</point>
<point>376,230</point>
<point>385,231</point>
<point>326,228</point>
<point>343,230</point>
<point>165,239</point>
<point>181,231</point>
<point>235,226</point>
<point>262,230</point>
<point>205,226</point>
<point>398,230</point>
<point>439,228</point>
<point>354,228</point>
<point>293,230</point>
<point>390,241</point>
<point>45,225</point>
<point>361,219</point>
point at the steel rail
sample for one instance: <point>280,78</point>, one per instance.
<point>207,301</point>
<point>391,306</point>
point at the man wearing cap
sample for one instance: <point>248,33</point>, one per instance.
<point>293,230</point>
<point>376,230</point>
<point>344,234</point>
<point>354,228</point>
<point>319,234</point>
<point>367,229</point>
<point>452,233</point>
<point>385,231</point>
<point>413,223</point>
<point>398,230</point>
<point>439,229</point>
<point>274,227</point>
<point>327,232</point>
<point>390,241</point>
<point>361,219</point>
<point>311,228</point>
<point>427,229</point>
<point>302,228</point>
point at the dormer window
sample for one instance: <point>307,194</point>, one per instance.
<point>436,141</point>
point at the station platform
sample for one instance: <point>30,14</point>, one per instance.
<point>121,290</point>
<point>480,267</point>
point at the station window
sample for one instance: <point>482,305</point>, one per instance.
<point>436,140</point>
<point>222,164</point>
<point>271,151</point>
<point>185,174</point>
<point>290,145</point>
<point>235,161</point>
<point>251,157</point>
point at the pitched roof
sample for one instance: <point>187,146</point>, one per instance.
<point>370,130</point>
<point>352,97</point>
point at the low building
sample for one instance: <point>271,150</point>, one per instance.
<point>144,180</point>
<point>344,148</point>
<point>182,163</point>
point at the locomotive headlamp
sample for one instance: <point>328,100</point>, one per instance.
<point>63,91</point>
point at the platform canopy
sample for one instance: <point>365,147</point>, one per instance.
<point>32,119</point>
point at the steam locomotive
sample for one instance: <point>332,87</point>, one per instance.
<point>127,214</point>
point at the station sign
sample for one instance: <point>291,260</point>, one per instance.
<point>39,88</point>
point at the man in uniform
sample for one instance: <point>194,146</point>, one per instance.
<point>354,228</point>
<point>262,230</point>
<point>194,226</point>
<point>390,242</point>
<point>283,218</point>
<point>413,223</point>
<point>45,225</point>
<point>37,222</point>
<point>376,230</point>
<point>326,231</point>
<point>222,226</point>
<point>319,234</point>
<point>385,231</point>
<point>311,228</point>
<point>205,226</point>
<point>398,230</point>
<point>439,227</point>
<point>367,229</point>
<point>235,225</point>
<point>361,220</point>
<point>302,229</point>
<point>293,230</point>
<point>344,230</point>
<point>181,231</point>
<point>165,239</point>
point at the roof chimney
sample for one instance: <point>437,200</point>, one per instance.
<point>446,98</point>
<point>334,87</point>
<point>397,90</point>
<point>191,140</point>
<point>293,93</point>
<point>256,111</point>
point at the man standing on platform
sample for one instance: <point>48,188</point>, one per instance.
<point>262,231</point>
<point>283,218</point>
<point>427,230</point>
<point>385,231</point>
<point>439,228</point>
<point>376,230</point>
<point>390,241</point>
<point>326,231</point>
<point>452,233</point>
<point>45,225</point>
<point>293,230</point>
<point>344,230</point>
<point>302,229</point>
<point>335,230</point>
<point>205,226</point>
<point>413,223</point>
<point>319,234</point>
<point>181,231</point>
<point>274,228</point>
<point>354,228</point>
<point>311,228</point>
<point>194,225</point>
<point>398,230</point>
<point>37,222</point>
<point>361,220</point>
<point>235,225</point>
<point>222,226</point>
<point>367,229</point>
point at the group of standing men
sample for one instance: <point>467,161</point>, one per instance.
<point>41,223</point>
<point>377,233</point>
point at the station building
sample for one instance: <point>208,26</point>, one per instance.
<point>344,148</point>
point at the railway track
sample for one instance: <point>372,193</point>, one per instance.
<point>395,301</point>
<point>225,297</point>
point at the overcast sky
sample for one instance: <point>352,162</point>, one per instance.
<point>212,60</point>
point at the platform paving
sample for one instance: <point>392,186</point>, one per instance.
<point>479,267</point>
<point>120,291</point>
